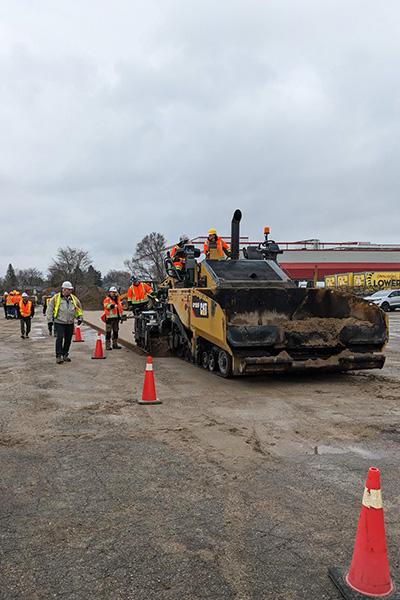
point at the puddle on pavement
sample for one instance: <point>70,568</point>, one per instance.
<point>290,449</point>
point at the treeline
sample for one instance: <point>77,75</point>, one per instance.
<point>76,266</point>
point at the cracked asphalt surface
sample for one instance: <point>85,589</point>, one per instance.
<point>244,489</point>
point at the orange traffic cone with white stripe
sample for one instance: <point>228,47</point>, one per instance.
<point>149,388</point>
<point>98,351</point>
<point>78,335</point>
<point>369,570</point>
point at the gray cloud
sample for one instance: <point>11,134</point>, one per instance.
<point>120,120</point>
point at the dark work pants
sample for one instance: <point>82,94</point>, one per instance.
<point>64,335</point>
<point>112,325</point>
<point>25,323</point>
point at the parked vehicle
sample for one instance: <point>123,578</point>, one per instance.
<point>388,300</point>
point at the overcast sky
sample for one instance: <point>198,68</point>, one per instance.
<point>123,117</point>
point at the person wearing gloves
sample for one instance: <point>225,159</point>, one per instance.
<point>63,309</point>
<point>45,305</point>
<point>113,312</point>
<point>26,312</point>
<point>139,295</point>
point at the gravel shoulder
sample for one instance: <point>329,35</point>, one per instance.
<point>243,489</point>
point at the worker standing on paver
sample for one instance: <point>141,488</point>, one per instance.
<point>63,309</point>
<point>26,312</point>
<point>179,261</point>
<point>113,312</point>
<point>214,241</point>
<point>45,305</point>
<point>139,294</point>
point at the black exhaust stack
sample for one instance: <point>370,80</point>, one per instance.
<point>237,215</point>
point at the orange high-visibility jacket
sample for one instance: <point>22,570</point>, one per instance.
<point>179,261</point>
<point>140,293</point>
<point>112,313</point>
<point>10,300</point>
<point>25,310</point>
<point>221,245</point>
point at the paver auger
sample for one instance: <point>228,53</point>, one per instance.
<point>243,316</point>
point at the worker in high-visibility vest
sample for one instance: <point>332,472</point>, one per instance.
<point>113,312</point>
<point>139,294</point>
<point>45,305</point>
<point>214,240</point>
<point>26,312</point>
<point>179,261</point>
<point>63,309</point>
<point>11,305</point>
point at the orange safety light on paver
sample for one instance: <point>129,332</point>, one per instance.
<point>369,570</point>
<point>149,388</point>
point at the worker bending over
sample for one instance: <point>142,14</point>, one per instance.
<point>214,241</point>
<point>26,312</point>
<point>63,309</point>
<point>113,312</point>
<point>139,294</point>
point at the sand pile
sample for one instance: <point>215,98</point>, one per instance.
<point>48,291</point>
<point>92,298</point>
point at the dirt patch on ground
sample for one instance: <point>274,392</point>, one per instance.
<point>225,490</point>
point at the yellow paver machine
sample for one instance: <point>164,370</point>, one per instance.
<point>243,315</point>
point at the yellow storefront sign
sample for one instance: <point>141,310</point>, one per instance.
<point>385,280</point>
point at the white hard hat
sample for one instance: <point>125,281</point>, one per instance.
<point>184,238</point>
<point>67,285</point>
<point>113,289</point>
<point>24,295</point>
<point>5,293</point>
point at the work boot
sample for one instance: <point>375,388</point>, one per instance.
<point>27,336</point>
<point>108,345</point>
<point>115,345</point>
<point>59,360</point>
<point>66,358</point>
<point>22,335</point>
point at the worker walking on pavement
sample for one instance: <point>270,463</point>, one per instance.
<point>214,241</point>
<point>139,294</point>
<point>63,309</point>
<point>26,312</point>
<point>45,305</point>
<point>11,304</point>
<point>113,312</point>
<point>179,261</point>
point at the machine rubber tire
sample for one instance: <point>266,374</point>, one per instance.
<point>204,359</point>
<point>212,363</point>
<point>385,306</point>
<point>225,364</point>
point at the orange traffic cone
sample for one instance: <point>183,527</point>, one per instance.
<point>149,388</point>
<point>369,570</point>
<point>74,329</point>
<point>78,336</point>
<point>98,351</point>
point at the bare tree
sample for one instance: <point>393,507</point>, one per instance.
<point>117,278</point>
<point>70,264</point>
<point>148,260</point>
<point>30,278</point>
